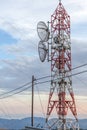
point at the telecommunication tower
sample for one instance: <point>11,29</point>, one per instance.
<point>55,44</point>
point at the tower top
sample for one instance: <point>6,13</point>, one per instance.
<point>59,1</point>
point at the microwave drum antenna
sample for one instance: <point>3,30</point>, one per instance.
<point>42,51</point>
<point>43,31</point>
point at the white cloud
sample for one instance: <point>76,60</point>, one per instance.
<point>19,18</point>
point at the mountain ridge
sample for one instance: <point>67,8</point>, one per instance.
<point>39,122</point>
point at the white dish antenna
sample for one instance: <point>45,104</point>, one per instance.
<point>43,31</point>
<point>42,51</point>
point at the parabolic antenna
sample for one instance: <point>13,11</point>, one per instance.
<point>43,31</point>
<point>42,51</point>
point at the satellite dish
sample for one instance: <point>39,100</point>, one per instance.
<point>43,31</point>
<point>42,51</point>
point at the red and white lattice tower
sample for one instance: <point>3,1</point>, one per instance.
<point>61,68</point>
<point>61,81</point>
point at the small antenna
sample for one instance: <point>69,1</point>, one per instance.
<point>59,1</point>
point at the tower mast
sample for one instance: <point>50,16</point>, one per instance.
<point>58,38</point>
<point>61,68</point>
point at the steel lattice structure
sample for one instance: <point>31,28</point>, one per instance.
<point>61,69</point>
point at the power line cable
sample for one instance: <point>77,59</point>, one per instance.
<point>40,101</point>
<point>81,81</point>
<point>35,84</point>
<point>15,89</point>
<point>39,83</point>
<point>15,93</point>
<point>40,79</point>
<point>79,66</point>
<point>85,71</point>
<point>44,77</point>
<point>48,76</point>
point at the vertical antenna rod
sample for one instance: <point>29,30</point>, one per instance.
<point>59,1</point>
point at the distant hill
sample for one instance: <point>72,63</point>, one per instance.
<point>16,124</point>
<point>83,123</point>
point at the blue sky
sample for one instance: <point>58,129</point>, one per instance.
<point>6,38</point>
<point>19,58</point>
